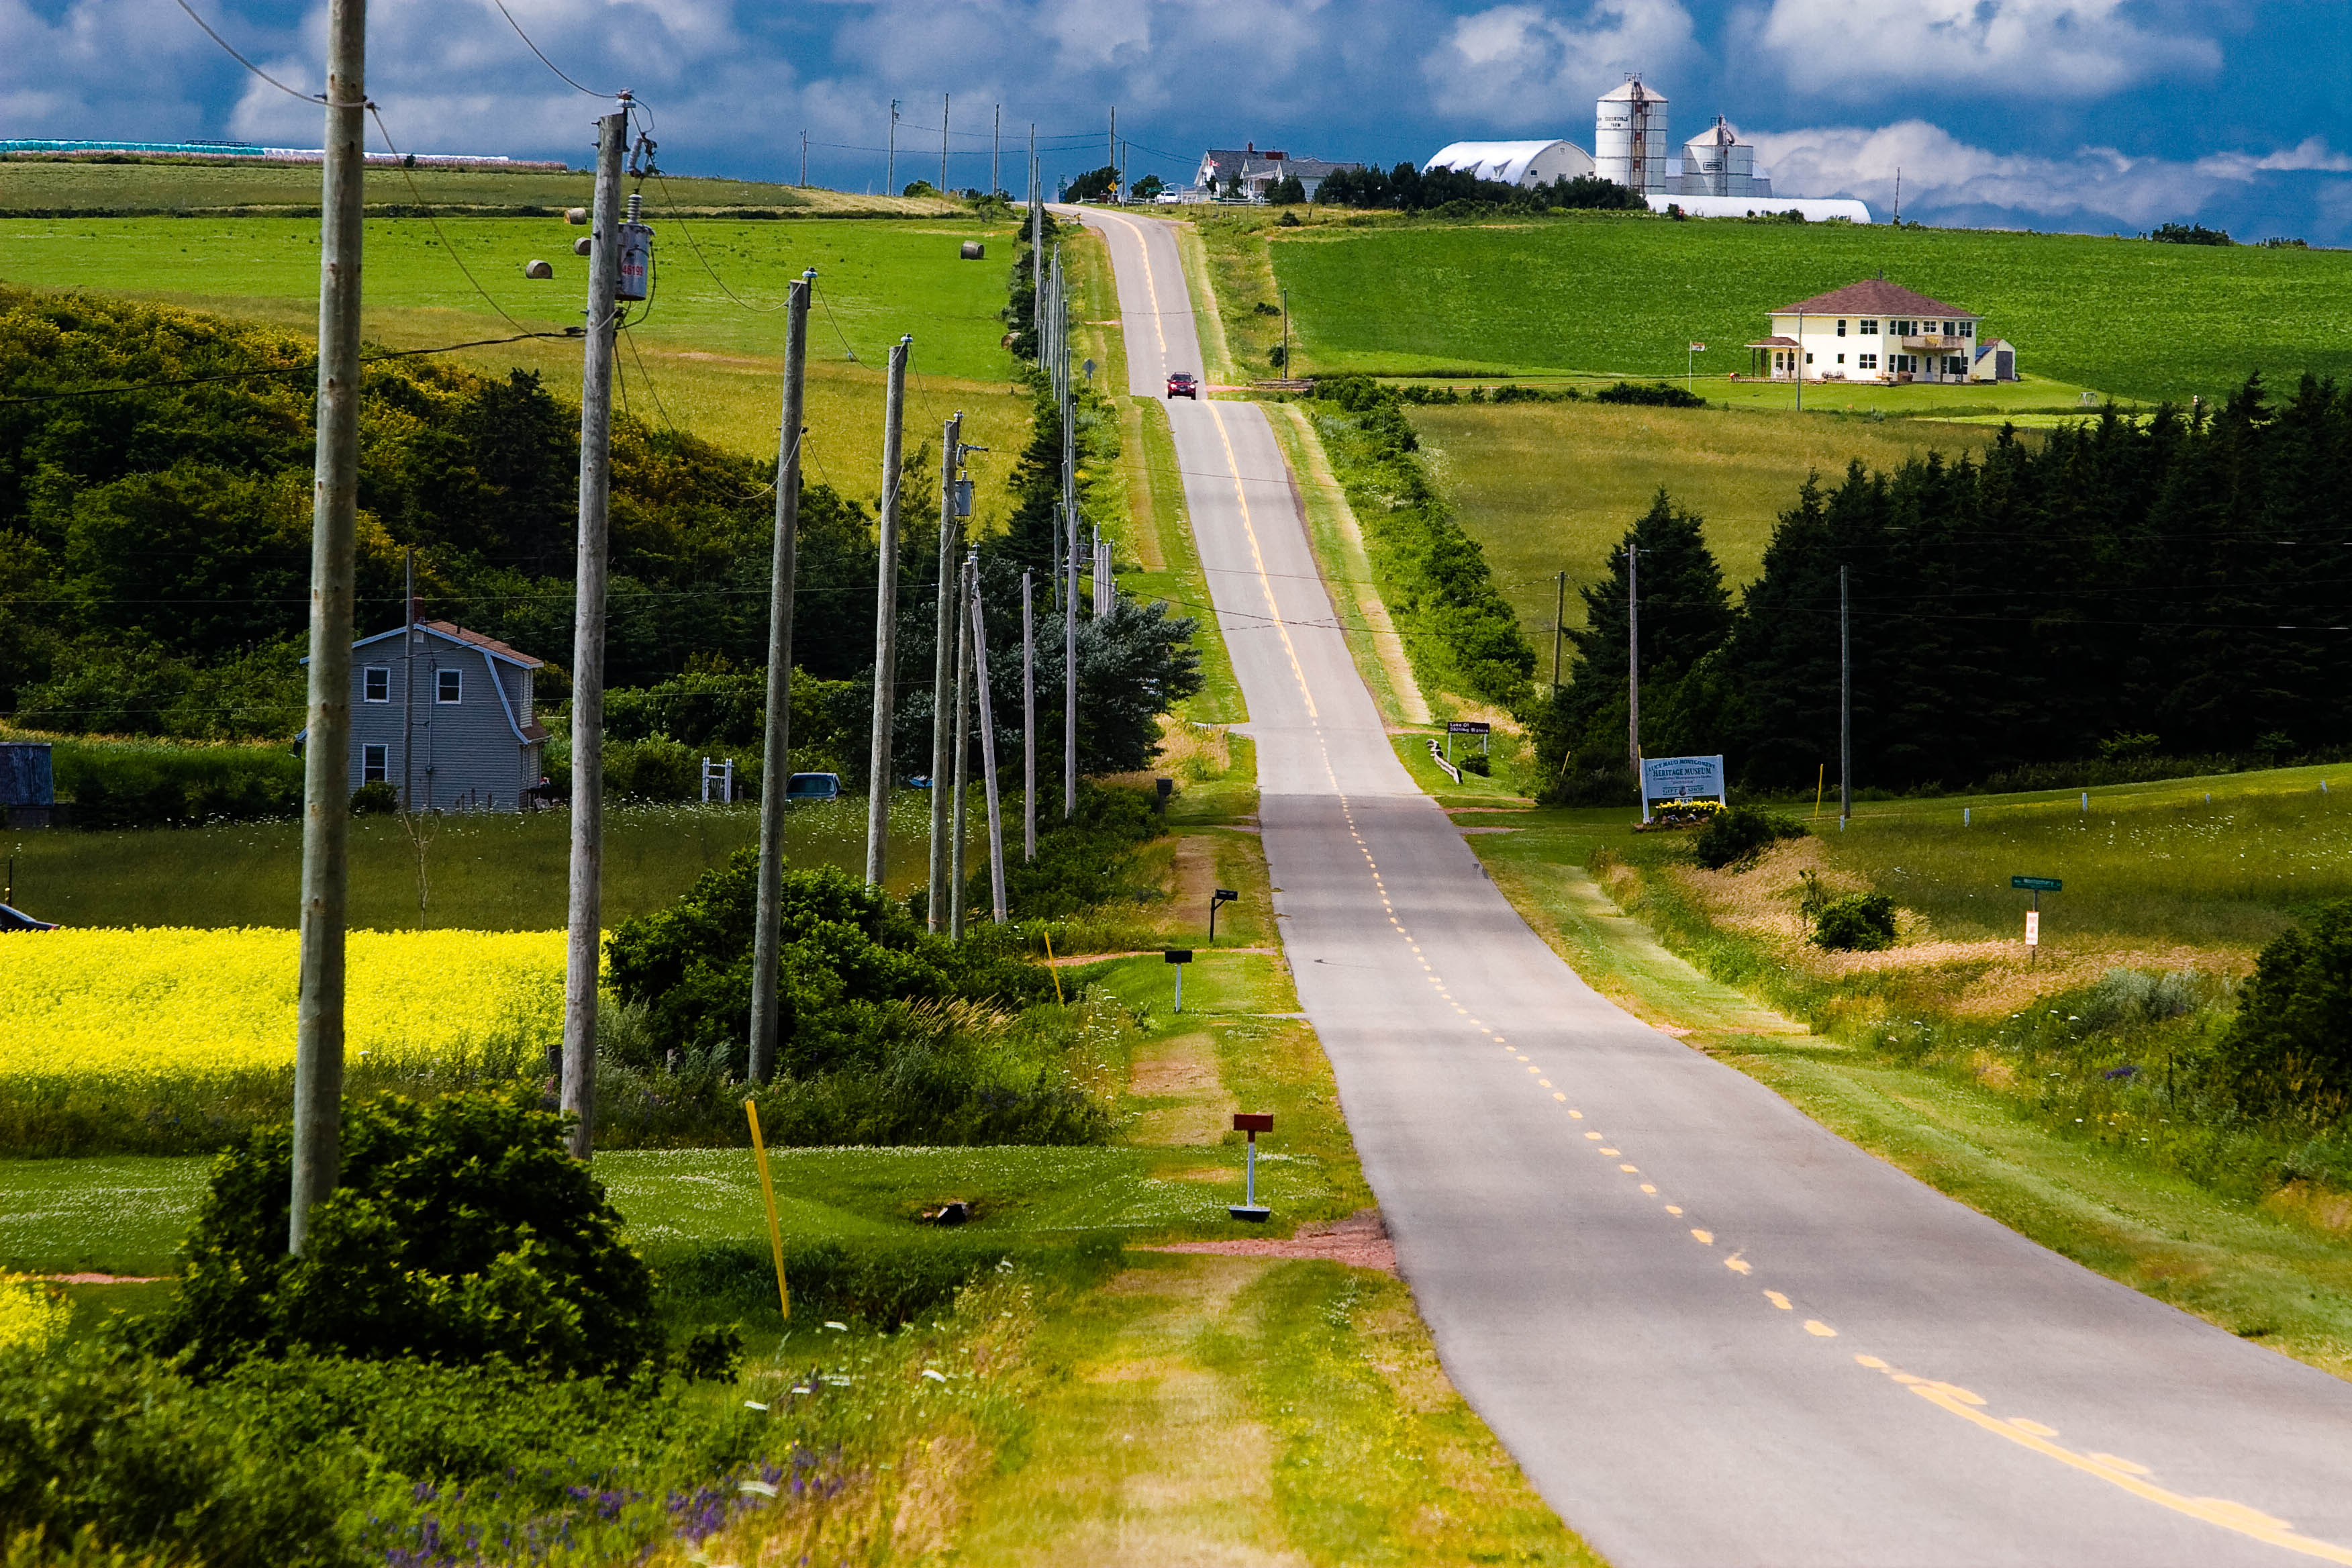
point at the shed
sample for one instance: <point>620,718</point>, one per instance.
<point>1527,164</point>
<point>29,794</point>
<point>447,719</point>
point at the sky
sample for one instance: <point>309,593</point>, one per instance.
<point>2097,116</point>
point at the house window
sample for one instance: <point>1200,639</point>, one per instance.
<point>376,764</point>
<point>1865,361</point>
<point>1841,358</point>
<point>1955,365</point>
<point>375,683</point>
<point>1967,328</point>
<point>1841,329</point>
<point>1952,329</point>
<point>1867,327</point>
<point>1808,356</point>
<point>450,686</point>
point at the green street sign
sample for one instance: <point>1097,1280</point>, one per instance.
<point>2037,884</point>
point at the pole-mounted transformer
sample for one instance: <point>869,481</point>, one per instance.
<point>636,247</point>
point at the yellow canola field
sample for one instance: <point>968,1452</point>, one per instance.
<point>179,1001</point>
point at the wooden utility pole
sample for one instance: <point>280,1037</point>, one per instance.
<point>962,750</point>
<point>1070,560</point>
<point>1559,627</point>
<point>1028,719</point>
<point>943,676</point>
<point>886,624</point>
<point>1845,706</point>
<point>583,945</point>
<point>1633,660</point>
<point>334,546</point>
<point>988,748</point>
<point>776,753</point>
<point>890,159</point>
<point>408,688</point>
<point>943,143</point>
<point>996,154</point>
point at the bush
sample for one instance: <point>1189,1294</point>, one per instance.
<point>850,953</point>
<point>2291,1039</point>
<point>1476,763</point>
<point>1081,863</point>
<point>115,785</point>
<point>378,799</point>
<point>461,1229</point>
<point>1735,837</point>
<point>1652,395</point>
<point>1857,923</point>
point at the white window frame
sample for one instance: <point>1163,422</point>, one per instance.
<point>1841,358</point>
<point>376,764</point>
<point>1867,327</point>
<point>1866,361</point>
<point>1967,328</point>
<point>369,676</point>
<point>443,681</point>
<point>1841,331</point>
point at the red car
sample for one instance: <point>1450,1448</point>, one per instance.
<point>1181,385</point>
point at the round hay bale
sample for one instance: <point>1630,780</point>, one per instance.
<point>537,270</point>
<point>576,217</point>
<point>973,250</point>
<point>583,245</point>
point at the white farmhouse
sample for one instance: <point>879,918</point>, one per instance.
<point>1875,331</point>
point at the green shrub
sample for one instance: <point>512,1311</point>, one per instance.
<point>1735,836</point>
<point>461,1229</point>
<point>1476,763</point>
<point>851,954</point>
<point>1082,863</point>
<point>117,784</point>
<point>1654,394</point>
<point>2291,1039</point>
<point>1857,923</point>
<point>378,799</point>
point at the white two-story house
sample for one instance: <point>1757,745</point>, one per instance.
<point>1876,331</point>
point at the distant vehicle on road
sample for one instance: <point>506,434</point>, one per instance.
<point>801,788</point>
<point>17,919</point>
<point>1181,385</point>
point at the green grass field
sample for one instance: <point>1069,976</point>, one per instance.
<point>1624,295</point>
<point>483,873</point>
<point>699,359</point>
<point>1551,486</point>
<point>36,184</point>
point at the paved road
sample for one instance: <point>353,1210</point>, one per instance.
<point>1711,1331</point>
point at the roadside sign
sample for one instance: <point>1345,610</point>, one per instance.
<point>1680,778</point>
<point>1468,727</point>
<point>1178,955</point>
<point>2038,884</point>
<point>2033,927</point>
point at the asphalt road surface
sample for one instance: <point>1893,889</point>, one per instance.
<point>1712,1332</point>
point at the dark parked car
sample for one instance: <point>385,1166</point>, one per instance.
<point>801,788</point>
<point>17,919</point>
<point>1181,385</point>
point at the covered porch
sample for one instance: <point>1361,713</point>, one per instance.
<point>1773,359</point>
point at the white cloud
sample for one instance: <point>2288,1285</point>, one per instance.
<point>107,71</point>
<point>1870,50</point>
<point>1527,66</point>
<point>1942,173</point>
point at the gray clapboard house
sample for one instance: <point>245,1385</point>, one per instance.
<point>466,697</point>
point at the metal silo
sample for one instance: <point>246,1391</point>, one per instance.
<point>1716,163</point>
<point>1628,138</point>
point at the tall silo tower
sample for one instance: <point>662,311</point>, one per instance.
<point>1628,138</point>
<point>1717,162</point>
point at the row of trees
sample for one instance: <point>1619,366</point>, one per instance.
<point>1407,189</point>
<point>2173,585</point>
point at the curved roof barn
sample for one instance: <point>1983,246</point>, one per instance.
<point>1514,163</point>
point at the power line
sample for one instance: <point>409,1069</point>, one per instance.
<point>308,367</point>
<point>671,210</point>
<point>535,49</point>
<point>231,50</point>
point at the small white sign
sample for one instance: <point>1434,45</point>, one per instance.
<point>1681,778</point>
<point>2033,927</point>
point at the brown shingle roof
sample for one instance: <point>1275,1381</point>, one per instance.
<point>1872,297</point>
<point>451,629</point>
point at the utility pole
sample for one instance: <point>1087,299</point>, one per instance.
<point>408,689</point>
<point>335,547</point>
<point>1285,333</point>
<point>1558,628</point>
<point>1797,358</point>
<point>776,754</point>
<point>1111,142</point>
<point>890,159</point>
<point>803,157</point>
<point>1028,721</point>
<point>943,143</point>
<point>1633,660</point>
<point>1065,396</point>
<point>583,942</point>
<point>943,674</point>
<point>996,154</point>
<point>965,589</point>
<point>1845,706</point>
<point>886,624</point>
<point>988,748</point>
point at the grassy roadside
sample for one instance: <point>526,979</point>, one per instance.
<point>1235,294</point>
<point>2277,1271</point>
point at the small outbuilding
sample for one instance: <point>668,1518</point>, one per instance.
<point>445,718</point>
<point>1875,331</point>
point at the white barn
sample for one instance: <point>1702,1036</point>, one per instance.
<point>1515,163</point>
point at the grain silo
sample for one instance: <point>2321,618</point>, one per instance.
<point>1628,138</point>
<point>1717,162</point>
